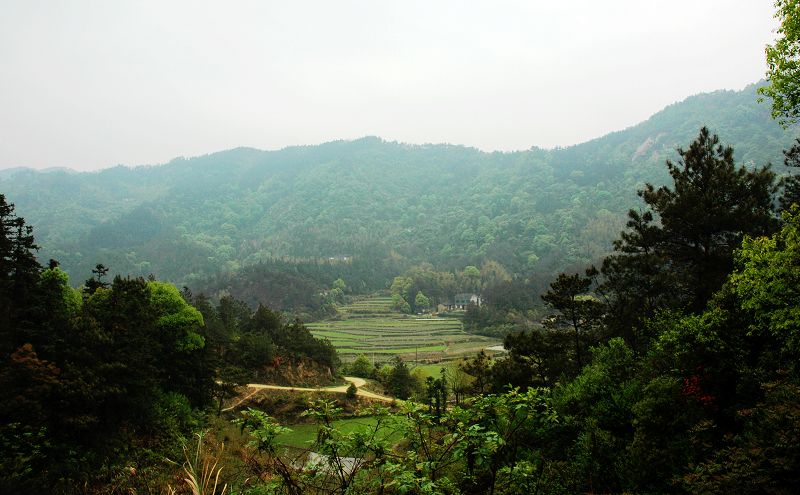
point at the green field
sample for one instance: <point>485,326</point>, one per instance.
<point>432,370</point>
<point>302,436</point>
<point>371,327</point>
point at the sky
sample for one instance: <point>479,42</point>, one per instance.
<point>93,84</point>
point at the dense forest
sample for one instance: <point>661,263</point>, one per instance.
<point>119,372</point>
<point>383,206</point>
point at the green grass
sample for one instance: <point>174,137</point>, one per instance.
<point>303,436</point>
<point>432,370</point>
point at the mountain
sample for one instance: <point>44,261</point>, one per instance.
<point>384,204</point>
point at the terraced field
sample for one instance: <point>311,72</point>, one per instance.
<point>371,327</point>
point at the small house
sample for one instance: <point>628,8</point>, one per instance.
<point>461,301</point>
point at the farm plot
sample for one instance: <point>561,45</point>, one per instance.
<point>370,327</point>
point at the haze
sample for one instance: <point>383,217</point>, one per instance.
<point>91,84</point>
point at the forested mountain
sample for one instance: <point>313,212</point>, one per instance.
<point>384,204</point>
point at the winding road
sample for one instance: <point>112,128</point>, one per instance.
<point>338,389</point>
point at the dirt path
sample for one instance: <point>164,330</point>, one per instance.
<point>339,389</point>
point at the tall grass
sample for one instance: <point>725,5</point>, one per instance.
<point>200,468</point>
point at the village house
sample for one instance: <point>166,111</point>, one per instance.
<point>461,301</point>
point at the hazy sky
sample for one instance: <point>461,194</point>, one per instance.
<point>91,84</point>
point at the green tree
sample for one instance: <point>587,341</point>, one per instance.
<point>679,252</point>
<point>569,295</point>
<point>400,304</point>
<point>479,368</point>
<point>19,279</point>
<point>436,393</point>
<point>767,287</point>
<point>492,274</point>
<point>783,61</point>
<point>400,381</point>
<point>472,278</point>
<point>351,391</point>
<point>421,302</point>
<point>791,183</point>
<point>595,413</point>
<point>537,357</point>
<point>362,367</point>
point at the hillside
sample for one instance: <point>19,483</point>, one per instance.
<point>382,203</point>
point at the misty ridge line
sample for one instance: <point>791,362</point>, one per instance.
<point>6,171</point>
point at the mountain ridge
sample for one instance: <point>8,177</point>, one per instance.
<point>536,211</point>
<point>534,148</point>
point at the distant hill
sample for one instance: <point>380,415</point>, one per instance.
<point>383,203</point>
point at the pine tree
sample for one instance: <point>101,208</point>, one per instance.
<point>569,296</point>
<point>19,277</point>
<point>791,183</point>
<point>678,252</point>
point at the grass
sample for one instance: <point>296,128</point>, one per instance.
<point>369,326</point>
<point>432,370</point>
<point>303,436</point>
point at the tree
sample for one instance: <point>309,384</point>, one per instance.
<point>493,273</point>
<point>478,368</point>
<point>595,411</point>
<point>436,392</point>
<point>459,381</point>
<point>362,367</point>
<point>352,391</point>
<point>96,281</point>
<point>19,279</point>
<point>767,287</point>
<point>682,261</point>
<point>783,61</point>
<point>400,380</point>
<point>569,295</point>
<point>791,183</point>
<point>421,302</point>
<point>472,278</point>
<point>535,358</point>
<point>712,204</point>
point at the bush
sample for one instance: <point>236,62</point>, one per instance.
<point>352,390</point>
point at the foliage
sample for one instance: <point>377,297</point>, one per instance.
<point>352,390</point>
<point>99,381</point>
<point>248,346</point>
<point>263,226</point>
<point>683,259</point>
<point>337,460</point>
<point>569,295</point>
<point>480,448</point>
<point>399,382</point>
<point>478,368</point>
<point>783,72</point>
<point>764,457</point>
<point>362,367</point>
<point>202,474</point>
<point>767,284</point>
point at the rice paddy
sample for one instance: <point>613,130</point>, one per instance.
<point>369,326</point>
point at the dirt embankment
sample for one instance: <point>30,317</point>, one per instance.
<point>255,389</point>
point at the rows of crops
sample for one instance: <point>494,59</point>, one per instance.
<point>371,327</point>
